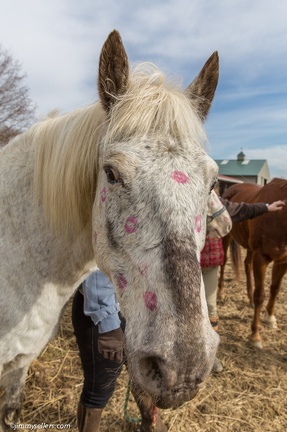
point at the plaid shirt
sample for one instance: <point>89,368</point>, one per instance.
<point>212,254</point>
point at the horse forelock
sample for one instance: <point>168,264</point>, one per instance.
<point>153,104</point>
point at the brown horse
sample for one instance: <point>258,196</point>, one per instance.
<point>265,239</point>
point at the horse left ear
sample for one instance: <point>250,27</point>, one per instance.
<point>203,87</point>
<point>113,70</point>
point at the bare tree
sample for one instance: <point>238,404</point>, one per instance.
<point>16,108</point>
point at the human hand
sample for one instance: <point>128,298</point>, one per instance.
<point>111,345</point>
<point>276,206</point>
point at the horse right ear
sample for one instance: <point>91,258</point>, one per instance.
<point>201,90</point>
<point>113,70</point>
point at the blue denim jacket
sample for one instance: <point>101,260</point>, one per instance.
<point>100,302</point>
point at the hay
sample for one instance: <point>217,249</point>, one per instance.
<point>249,395</point>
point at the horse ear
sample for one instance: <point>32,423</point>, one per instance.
<point>203,87</point>
<point>113,70</point>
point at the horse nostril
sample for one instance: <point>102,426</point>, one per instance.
<point>151,368</point>
<point>157,370</point>
<point>198,381</point>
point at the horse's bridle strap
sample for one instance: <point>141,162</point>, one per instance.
<point>215,215</point>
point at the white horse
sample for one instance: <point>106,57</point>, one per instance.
<point>123,185</point>
<point>218,220</point>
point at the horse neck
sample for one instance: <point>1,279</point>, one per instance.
<point>50,257</point>
<point>76,257</point>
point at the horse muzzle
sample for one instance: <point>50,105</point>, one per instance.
<point>169,386</point>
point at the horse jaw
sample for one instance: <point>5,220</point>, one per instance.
<point>161,367</point>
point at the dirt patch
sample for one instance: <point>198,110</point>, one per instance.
<point>248,396</point>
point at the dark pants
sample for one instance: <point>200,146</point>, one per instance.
<point>100,375</point>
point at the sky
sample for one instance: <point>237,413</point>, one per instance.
<point>58,43</point>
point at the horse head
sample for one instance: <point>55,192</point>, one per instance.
<point>219,222</point>
<point>153,182</point>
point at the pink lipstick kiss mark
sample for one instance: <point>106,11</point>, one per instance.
<point>121,281</point>
<point>150,300</point>
<point>198,223</point>
<point>180,177</point>
<point>131,224</point>
<point>103,194</point>
<point>143,270</point>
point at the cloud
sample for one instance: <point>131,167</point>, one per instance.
<point>276,157</point>
<point>59,42</point>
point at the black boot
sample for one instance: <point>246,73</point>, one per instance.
<point>88,418</point>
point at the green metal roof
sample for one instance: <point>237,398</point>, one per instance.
<point>247,167</point>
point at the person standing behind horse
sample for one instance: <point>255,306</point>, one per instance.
<point>212,255</point>
<point>99,330</point>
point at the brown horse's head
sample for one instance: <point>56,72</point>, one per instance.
<point>153,181</point>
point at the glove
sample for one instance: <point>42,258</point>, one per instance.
<point>111,345</point>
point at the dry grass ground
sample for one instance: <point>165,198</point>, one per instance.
<point>248,396</point>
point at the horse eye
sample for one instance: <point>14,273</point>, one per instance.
<point>112,175</point>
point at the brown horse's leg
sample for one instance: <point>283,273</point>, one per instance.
<point>248,272</point>
<point>151,421</point>
<point>278,272</point>
<point>226,242</point>
<point>260,264</point>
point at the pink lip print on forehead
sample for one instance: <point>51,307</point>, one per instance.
<point>121,281</point>
<point>150,300</point>
<point>198,224</point>
<point>180,177</point>
<point>131,224</point>
<point>103,194</point>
